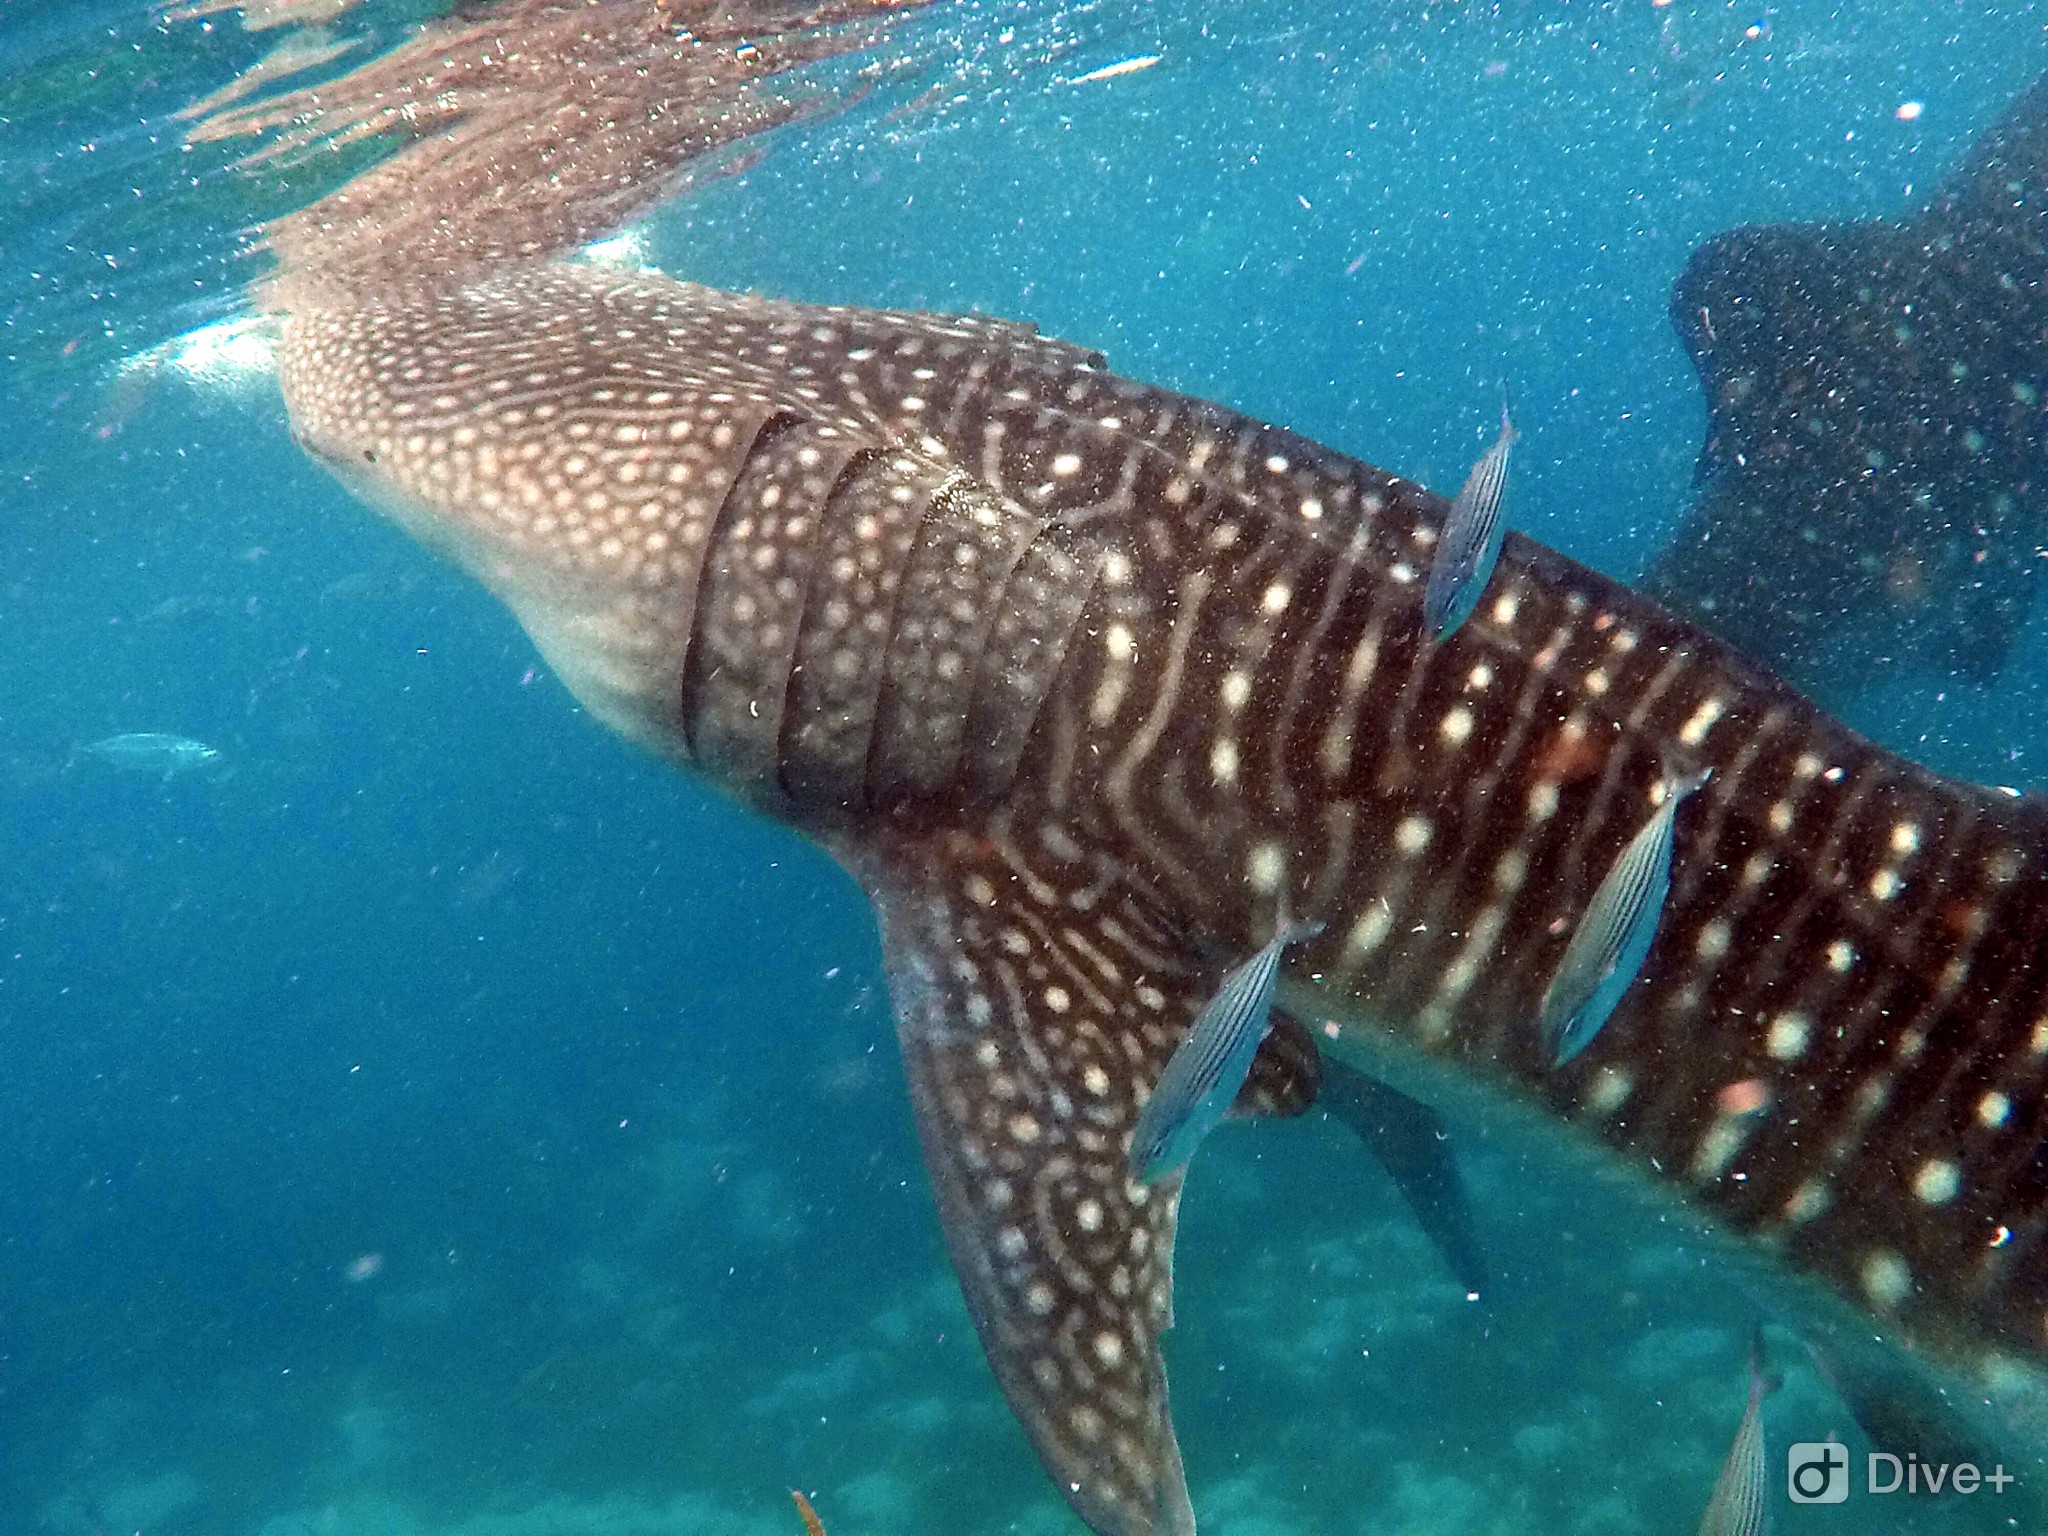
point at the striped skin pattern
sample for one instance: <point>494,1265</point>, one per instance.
<point>1086,681</point>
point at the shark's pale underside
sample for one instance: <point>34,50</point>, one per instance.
<point>1087,682</point>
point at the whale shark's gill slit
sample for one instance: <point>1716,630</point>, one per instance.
<point>1050,582</point>
<point>720,618</point>
<point>911,750</point>
<point>842,652</point>
<point>824,638</point>
<point>974,623</point>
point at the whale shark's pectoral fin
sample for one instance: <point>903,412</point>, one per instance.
<point>1038,999</point>
<point>1410,1141</point>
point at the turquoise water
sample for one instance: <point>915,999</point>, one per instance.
<point>435,1118</point>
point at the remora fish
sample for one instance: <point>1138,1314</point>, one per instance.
<point>1070,672</point>
<point>1469,546</point>
<point>152,752</point>
<point>1208,1069</point>
<point>836,561</point>
<point>1613,937</point>
<point>1740,1504</point>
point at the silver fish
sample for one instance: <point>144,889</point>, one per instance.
<point>1739,1505</point>
<point>1207,1069</point>
<point>1613,937</point>
<point>154,752</point>
<point>1469,546</point>
<point>172,609</point>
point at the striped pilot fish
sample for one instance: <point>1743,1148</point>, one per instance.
<point>1740,1504</point>
<point>1468,548</point>
<point>1207,1070</point>
<point>1085,680</point>
<point>1613,937</point>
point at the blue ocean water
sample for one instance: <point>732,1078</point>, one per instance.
<point>435,1119</point>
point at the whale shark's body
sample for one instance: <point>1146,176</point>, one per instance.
<point>1085,681</point>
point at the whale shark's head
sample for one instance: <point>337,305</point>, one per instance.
<point>738,529</point>
<point>523,437</point>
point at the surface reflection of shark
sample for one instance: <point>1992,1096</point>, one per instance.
<point>1087,681</point>
<point>1874,485</point>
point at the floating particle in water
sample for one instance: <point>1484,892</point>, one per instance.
<point>1129,66</point>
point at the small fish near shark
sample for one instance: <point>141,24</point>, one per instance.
<point>1469,547</point>
<point>1207,1070</point>
<point>1740,1503</point>
<point>157,753</point>
<point>1613,937</point>
<point>1093,686</point>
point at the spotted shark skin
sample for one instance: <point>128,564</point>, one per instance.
<point>1085,680</point>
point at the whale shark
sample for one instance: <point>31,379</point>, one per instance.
<point>1084,680</point>
<point>1088,682</point>
<point>1873,489</point>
